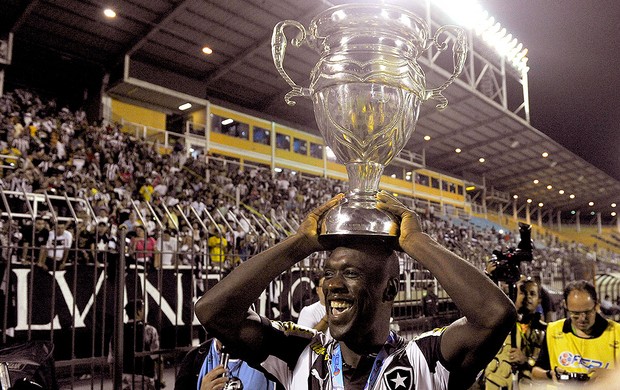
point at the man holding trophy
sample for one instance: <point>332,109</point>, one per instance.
<point>366,88</point>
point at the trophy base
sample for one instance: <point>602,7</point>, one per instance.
<point>332,241</point>
<point>355,221</point>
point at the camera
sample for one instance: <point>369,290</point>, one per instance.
<point>572,376</point>
<point>508,262</point>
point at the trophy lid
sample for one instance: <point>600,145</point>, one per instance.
<point>380,20</point>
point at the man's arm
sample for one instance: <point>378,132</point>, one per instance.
<point>25,255</point>
<point>470,342</point>
<point>223,310</point>
<point>43,253</point>
<point>543,364</point>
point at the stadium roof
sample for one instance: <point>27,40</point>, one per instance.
<point>158,43</point>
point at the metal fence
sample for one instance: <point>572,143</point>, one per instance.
<point>73,292</point>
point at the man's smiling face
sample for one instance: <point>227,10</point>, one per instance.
<point>355,283</point>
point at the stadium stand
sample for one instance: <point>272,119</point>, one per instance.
<point>106,183</point>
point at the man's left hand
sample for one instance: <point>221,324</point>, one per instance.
<point>410,223</point>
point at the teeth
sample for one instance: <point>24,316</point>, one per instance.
<point>340,304</point>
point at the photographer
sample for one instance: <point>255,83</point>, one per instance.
<point>529,333</point>
<point>584,345</point>
<point>517,356</point>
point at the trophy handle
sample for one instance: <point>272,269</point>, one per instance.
<point>278,49</point>
<point>459,50</point>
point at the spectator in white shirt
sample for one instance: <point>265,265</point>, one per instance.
<point>167,246</point>
<point>314,315</point>
<point>58,245</point>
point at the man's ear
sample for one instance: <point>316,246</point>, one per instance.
<point>391,290</point>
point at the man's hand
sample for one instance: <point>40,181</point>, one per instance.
<point>310,225</point>
<point>215,379</point>
<point>517,356</point>
<point>491,267</point>
<point>409,221</point>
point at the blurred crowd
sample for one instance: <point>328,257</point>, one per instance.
<point>180,209</point>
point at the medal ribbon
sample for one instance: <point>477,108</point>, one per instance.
<point>337,376</point>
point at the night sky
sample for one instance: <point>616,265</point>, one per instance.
<point>574,78</point>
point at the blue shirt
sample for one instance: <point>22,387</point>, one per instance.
<point>251,378</point>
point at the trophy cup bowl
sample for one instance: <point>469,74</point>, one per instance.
<point>366,89</point>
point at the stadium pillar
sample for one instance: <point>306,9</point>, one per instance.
<point>484,196</point>
<point>577,221</point>
<point>119,312</point>
<point>539,217</point>
<point>207,138</point>
<point>514,209</point>
<point>500,212</point>
<point>550,216</point>
<point>559,221</point>
<point>599,225</point>
<point>528,218</point>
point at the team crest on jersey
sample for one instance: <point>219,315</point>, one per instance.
<point>567,359</point>
<point>398,378</point>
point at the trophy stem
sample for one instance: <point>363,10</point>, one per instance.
<point>364,177</point>
<point>357,215</point>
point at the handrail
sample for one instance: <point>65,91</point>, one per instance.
<point>155,216</point>
<point>248,221</point>
<point>172,220</point>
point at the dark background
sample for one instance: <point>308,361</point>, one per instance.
<point>574,80</point>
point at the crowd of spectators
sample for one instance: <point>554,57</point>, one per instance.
<point>157,193</point>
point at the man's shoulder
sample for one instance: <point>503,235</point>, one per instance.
<point>150,329</point>
<point>536,322</point>
<point>613,325</point>
<point>428,343</point>
<point>556,324</point>
<point>316,306</point>
<point>290,328</point>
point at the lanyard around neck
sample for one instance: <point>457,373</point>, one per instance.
<point>336,373</point>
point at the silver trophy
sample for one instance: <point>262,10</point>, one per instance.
<point>366,90</point>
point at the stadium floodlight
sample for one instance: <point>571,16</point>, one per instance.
<point>469,14</point>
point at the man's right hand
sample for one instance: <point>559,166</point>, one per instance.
<point>215,379</point>
<point>309,228</point>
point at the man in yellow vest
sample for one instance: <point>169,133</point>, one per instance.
<point>583,346</point>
